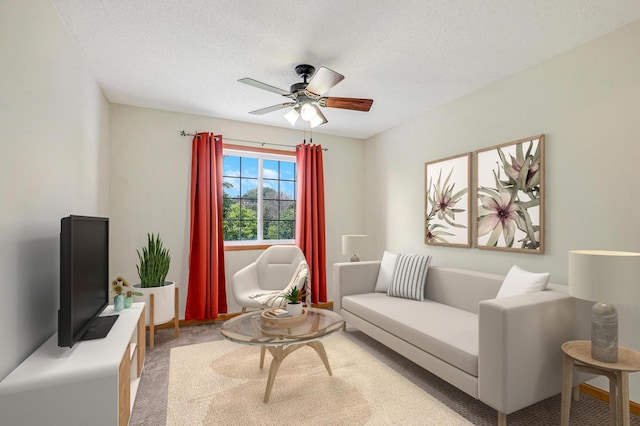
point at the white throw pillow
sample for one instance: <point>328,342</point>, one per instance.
<point>385,274</point>
<point>300,279</point>
<point>409,277</point>
<point>518,281</point>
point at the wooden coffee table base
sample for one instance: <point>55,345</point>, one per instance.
<point>279,353</point>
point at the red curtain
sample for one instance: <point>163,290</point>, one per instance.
<point>310,235</point>
<point>206,296</point>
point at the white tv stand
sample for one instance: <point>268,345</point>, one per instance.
<point>93,383</point>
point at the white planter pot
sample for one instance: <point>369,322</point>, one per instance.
<point>294,309</point>
<point>163,300</point>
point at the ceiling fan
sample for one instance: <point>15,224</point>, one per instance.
<point>307,96</point>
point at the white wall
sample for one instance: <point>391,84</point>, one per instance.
<point>53,162</point>
<point>587,103</point>
<point>150,183</point>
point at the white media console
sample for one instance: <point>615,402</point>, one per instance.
<point>93,383</point>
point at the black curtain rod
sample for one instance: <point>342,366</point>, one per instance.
<point>183,133</point>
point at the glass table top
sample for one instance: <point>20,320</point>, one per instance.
<point>253,329</point>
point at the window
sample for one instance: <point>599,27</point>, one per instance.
<point>259,197</point>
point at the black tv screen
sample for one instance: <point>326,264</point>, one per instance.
<point>84,279</point>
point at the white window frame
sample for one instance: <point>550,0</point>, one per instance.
<point>260,155</point>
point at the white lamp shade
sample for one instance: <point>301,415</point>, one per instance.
<point>292,116</point>
<point>605,276</point>
<point>318,119</point>
<point>353,244</point>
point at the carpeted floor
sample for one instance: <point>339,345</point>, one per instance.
<point>151,402</point>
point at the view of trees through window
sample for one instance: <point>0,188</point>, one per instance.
<point>259,196</point>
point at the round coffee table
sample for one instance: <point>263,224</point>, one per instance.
<point>281,338</point>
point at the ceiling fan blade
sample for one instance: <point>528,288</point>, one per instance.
<point>264,86</point>
<point>355,104</point>
<point>272,108</point>
<point>323,80</point>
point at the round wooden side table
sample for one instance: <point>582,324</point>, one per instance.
<point>577,357</point>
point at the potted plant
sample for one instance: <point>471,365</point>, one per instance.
<point>294,301</point>
<point>153,267</point>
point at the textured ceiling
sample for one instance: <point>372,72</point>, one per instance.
<point>409,56</point>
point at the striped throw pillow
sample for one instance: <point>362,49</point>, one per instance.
<point>409,277</point>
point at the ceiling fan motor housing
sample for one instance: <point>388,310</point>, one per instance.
<point>305,71</point>
<point>298,87</point>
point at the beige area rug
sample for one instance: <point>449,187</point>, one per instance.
<point>220,383</point>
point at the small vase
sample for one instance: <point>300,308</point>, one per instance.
<point>128,301</point>
<point>118,302</point>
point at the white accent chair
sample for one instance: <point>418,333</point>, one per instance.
<point>271,271</point>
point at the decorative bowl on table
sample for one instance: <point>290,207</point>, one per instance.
<point>270,319</point>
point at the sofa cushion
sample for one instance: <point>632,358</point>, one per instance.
<point>409,277</point>
<point>518,281</point>
<point>385,273</point>
<point>445,332</point>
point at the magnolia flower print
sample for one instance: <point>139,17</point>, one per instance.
<point>523,170</point>
<point>497,215</point>
<point>505,209</point>
<point>435,232</point>
<point>443,200</point>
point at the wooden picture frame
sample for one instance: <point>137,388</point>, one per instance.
<point>509,196</point>
<point>447,207</point>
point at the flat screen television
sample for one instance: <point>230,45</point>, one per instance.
<point>84,279</point>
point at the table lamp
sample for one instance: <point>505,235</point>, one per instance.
<point>604,277</point>
<point>353,244</point>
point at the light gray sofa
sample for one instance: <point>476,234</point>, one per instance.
<point>505,352</point>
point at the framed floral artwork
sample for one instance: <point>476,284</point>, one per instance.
<point>509,182</point>
<point>447,210</point>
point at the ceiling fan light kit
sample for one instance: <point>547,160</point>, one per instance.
<point>292,116</point>
<point>307,97</point>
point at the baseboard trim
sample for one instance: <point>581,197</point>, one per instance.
<point>603,395</point>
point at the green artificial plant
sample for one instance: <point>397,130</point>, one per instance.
<point>154,263</point>
<point>295,295</point>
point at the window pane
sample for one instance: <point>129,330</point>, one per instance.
<point>249,209</point>
<point>270,209</point>
<point>230,165</point>
<point>231,230</point>
<point>287,210</point>
<point>249,188</point>
<point>288,190</point>
<point>231,187</point>
<point>270,189</point>
<point>249,167</point>
<point>230,209</point>
<point>248,230</point>
<point>270,169</point>
<point>287,230</point>
<point>270,230</point>
<point>287,170</point>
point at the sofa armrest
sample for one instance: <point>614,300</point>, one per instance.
<point>353,278</point>
<point>520,339</point>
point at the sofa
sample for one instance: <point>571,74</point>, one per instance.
<point>506,351</point>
